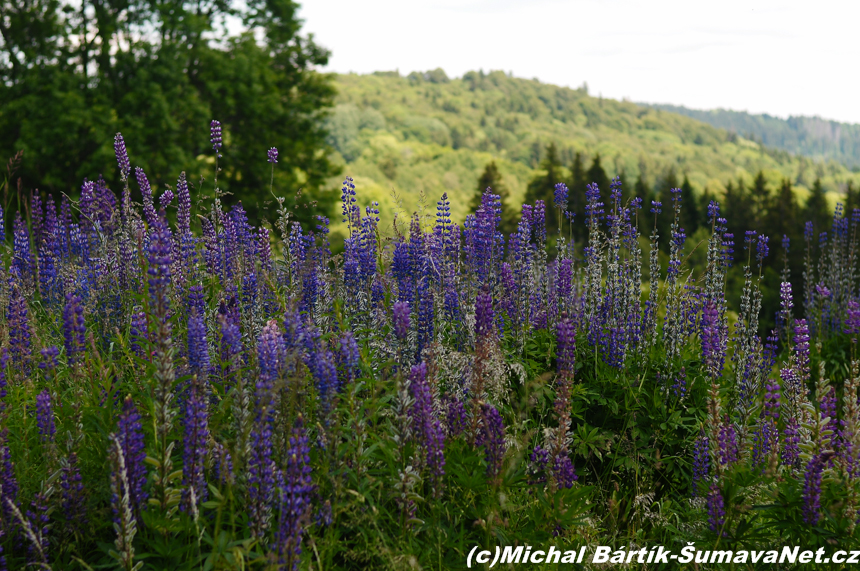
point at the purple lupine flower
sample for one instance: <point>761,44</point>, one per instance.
<point>4,361</point>
<point>18,322</point>
<point>195,423</point>
<point>198,347</point>
<point>728,443</point>
<point>791,443</point>
<point>427,428</point>
<point>166,198</point>
<point>230,346</point>
<point>73,495</point>
<point>8,481</point>
<point>401,319</point>
<point>713,353</point>
<point>139,332</point>
<point>566,346</point>
<point>425,325</point>
<point>129,434</point>
<point>491,436</point>
<point>74,330</point>
<point>762,249</point>
<point>560,196</point>
<point>160,260</point>
<point>321,362</point>
<point>265,249</point>
<point>223,464</point>
<point>812,488</point>
<point>716,509</point>
<point>261,475</point>
<point>484,317</point>
<point>271,352</point>
<point>563,471</point>
<point>49,358</point>
<point>348,358</point>
<point>765,437</point>
<point>23,264</point>
<point>215,136</point>
<point>273,155</point>
<point>121,157</point>
<point>183,205</point>
<point>679,388</point>
<point>538,463</point>
<point>456,419</point>
<point>261,467</point>
<point>701,461</point>
<point>295,504</point>
<point>45,417</point>
<point>771,399</point>
<point>801,350</point>
<point>38,518</point>
<point>852,318</point>
<point>146,191</point>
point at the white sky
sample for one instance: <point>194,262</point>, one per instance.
<point>763,56</point>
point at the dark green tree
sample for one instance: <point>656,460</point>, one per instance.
<point>576,198</point>
<point>661,193</point>
<point>690,209</point>
<point>542,187</point>
<point>816,208</point>
<point>491,179</point>
<point>852,198</point>
<point>759,195</point>
<point>159,72</point>
<point>739,209</point>
<point>597,175</point>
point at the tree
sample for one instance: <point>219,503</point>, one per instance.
<point>491,179</point>
<point>852,198</point>
<point>159,72</point>
<point>739,210</point>
<point>597,175</point>
<point>576,196</point>
<point>816,208</point>
<point>542,187</point>
<point>690,210</point>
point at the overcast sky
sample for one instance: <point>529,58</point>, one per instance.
<point>778,57</point>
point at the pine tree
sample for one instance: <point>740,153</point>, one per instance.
<point>491,179</point>
<point>690,210</point>
<point>816,208</point>
<point>576,197</point>
<point>542,187</point>
<point>739,209</point>
<point>852,198</point>
<point>597,175</point>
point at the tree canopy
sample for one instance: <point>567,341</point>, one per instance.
<point>75,74</point>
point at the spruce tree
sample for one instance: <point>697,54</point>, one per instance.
<point>576,197</point>
<point>816,208</point>
<point>491,179</point>
<point>852,198</point>
<point>542,187</point>
<point>597,175</point>
<point>690,210</point>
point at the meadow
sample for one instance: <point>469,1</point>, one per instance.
<point>183,390</point>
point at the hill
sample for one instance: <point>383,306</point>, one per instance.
<point>406,140</point>
<point>809,136</point>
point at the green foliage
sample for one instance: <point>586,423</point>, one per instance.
<point>159,73</point>
<point>810,136</point>
<point>495,117</point>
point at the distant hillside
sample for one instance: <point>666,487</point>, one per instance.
<point>811,136</point>
<point>419,136</point>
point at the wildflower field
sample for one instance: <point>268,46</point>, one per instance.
<point>183,390</point>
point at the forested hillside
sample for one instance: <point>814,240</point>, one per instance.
<point>810,136</point>
<point>426,134</point>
